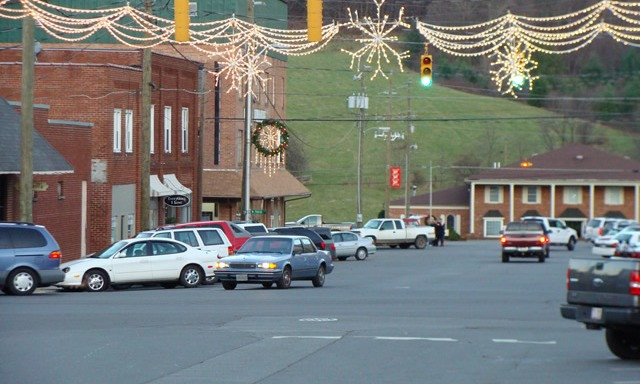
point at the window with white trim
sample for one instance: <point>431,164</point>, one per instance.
<point>572,195</point>
<point>493,194</point>
<point>493,226</point>
<point>167,129</point>
<point>531,195</point>
<point>185,130</point>
<point>613,195</point>
<point>152,122</point>
<point>117,130</point>
<point>128,131</point>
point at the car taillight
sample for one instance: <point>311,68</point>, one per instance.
<point>543,239</point>
<point>568,277</point>
<point>599,231</point>
<point>635,255</point>
<point>323,245</point>
<point>614,245</point>
<point>503,240</point>
<point>231,252</point>
<point>55,255</point>
<point>333,247</point>
<point>634,284</point>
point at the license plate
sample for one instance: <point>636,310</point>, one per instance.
<point>242,277</point>
<point>596,313</point>
<point>523,249</point>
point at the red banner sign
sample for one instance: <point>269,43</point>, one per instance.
<point>396,177</point>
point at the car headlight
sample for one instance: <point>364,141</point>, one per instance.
<point>221,265</point>
<point>267,265</point>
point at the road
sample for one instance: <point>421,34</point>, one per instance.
<point>452,314</point>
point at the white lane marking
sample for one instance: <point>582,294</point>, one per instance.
<point>308,337</point>
<point>404,287</point>
<point>514,341</point>
<point>626,382</point>
<point>414,338</point>
<point>319,319</point>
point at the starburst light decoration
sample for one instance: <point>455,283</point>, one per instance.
<point>514,64</point>
<point>377,38</point>
<point>511,39</point>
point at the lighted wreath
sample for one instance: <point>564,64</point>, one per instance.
<point>270,137</point>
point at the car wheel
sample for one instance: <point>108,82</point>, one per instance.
<point>361,254</point>
<point>285,280</point>
<point>393,246</point>
<point>191,276</point>
<point>169,285</point>
<point>342,258</point>
<point>541,258</point>
<point>318,280</point>
<point>623,344</point>
<point>505,257</point>
<point>267,285</point>
<point>229,285</point>
<point>421,242</point>
<point>22,281</point>
<point>120,287</point>
<point>571,245</point>
<point>95,281</point>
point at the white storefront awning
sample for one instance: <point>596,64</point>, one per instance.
<point>157,189</point>
<point>171,182</point>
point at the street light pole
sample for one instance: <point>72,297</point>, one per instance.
<point>430,188</point>
<point>246,170</point>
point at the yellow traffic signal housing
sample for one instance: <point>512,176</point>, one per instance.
<point>181,15</point>
<point>314,20</point>
<point>426,70</point>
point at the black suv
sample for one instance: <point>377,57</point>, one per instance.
<point>316,238</point>
<point>29,258</point>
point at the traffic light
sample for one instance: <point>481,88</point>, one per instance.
<point>314,20</point>
<point>181,15</point>
<point>426,70</point>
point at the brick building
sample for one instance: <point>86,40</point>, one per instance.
<point>101,87</point>
<point>574,183</point>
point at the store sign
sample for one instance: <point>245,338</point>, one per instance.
<point>176,200</point>
<point>395,177</point>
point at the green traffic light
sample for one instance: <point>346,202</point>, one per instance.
<point>426,81</point>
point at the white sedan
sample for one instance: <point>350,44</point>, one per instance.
<point>350,244</point>
<point>139,261</point>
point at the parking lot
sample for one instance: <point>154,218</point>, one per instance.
<point>452,314</point>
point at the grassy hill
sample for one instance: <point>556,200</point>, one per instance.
<point>451,128</point>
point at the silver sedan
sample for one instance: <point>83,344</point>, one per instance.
<point>350,244</point>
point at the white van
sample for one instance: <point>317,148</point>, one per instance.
<point>204,238</point>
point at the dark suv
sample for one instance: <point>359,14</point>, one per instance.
<point>317,239</point>
<point>29,258</point>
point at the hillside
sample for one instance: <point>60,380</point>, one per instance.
<point>457,132</point>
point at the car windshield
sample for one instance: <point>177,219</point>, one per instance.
<point>144,235</point>
<point>109,251</point>
<point>372,224</point>
<point>266,245</point>
<point>255,229</point>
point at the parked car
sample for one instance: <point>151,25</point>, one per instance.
<point>254,228</point>
<point>274,259</point>
<point>317,240</point>
<point>557,231</point>
<point>234,233</point>
<point>139,261</point>
<point>329,244</point>
<point>316,220</point>
<point>350,244</point>
<point>606,245</point>
<point>629,245</point>
<point>203,238</point>
<point>524,239</point>
<point>29,258</point>
<point>597,226</point>
<point>394,232</point>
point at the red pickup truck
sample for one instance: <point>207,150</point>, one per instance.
<point>524,239</point>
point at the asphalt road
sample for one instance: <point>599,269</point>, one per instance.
<point>454,314</point>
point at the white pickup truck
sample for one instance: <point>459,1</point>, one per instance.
<point>394,232</point>
<point>316,220</point>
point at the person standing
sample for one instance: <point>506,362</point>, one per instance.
<point>439,229</point>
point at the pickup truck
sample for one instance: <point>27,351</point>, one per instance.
<point>605,293</point>
<point>394,232</point>
<point>524,239</point>
<point>557,231</point>
<point>317,221</point>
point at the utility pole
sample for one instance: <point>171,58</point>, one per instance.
<point>361,111</point>
<point>246,170</point>
<point>387,189</point>
<point>145,137</point>
<point>408,147</point>
<point>26,145</point>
